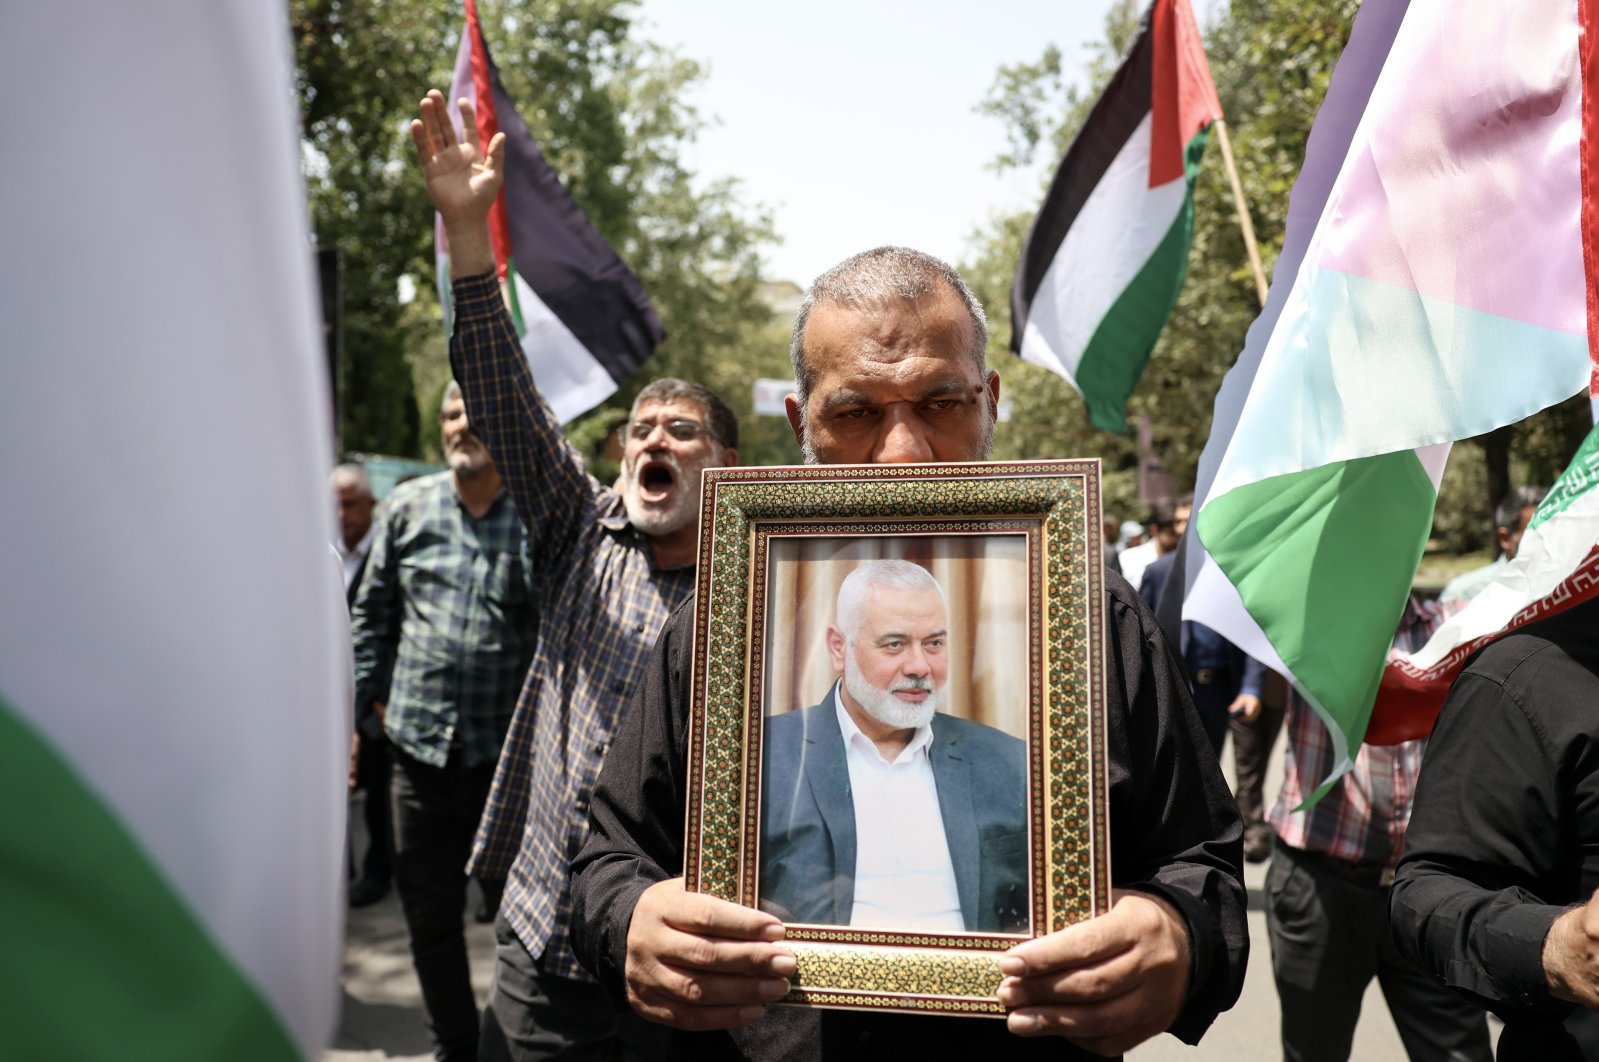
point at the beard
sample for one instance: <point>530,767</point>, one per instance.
<point>882,705</point>
<point>677,512</point>
<point>469,462</point>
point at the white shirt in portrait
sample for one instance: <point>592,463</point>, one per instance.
<point>904,877</point>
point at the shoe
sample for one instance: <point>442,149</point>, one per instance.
<point>368,891</point>
<point>1257,847</point>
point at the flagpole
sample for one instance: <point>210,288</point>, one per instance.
<point>1244,223</point>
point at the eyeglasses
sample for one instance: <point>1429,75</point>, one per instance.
<point>682,430</point>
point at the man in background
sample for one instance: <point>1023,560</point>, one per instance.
<point>1225,681</point>
<point>352,494</point>
<point>1328,890</point>
<point>1511,518</point>
<point>1167,521</point>
<point>369,772</point>
<point>1111,529</point>
<point>444,626</point>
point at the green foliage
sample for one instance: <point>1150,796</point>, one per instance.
<point>608,111</point>
<point>1271,61</point>
<point>1463,520</point>
<point>360,67</point>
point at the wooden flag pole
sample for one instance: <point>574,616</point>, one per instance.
<point>1244,223</point>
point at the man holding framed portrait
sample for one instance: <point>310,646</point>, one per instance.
<point>888,353</point>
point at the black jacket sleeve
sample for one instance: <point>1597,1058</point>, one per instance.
<point>637,809</point>
<point>1472,897</point>
<point>1174,827</point>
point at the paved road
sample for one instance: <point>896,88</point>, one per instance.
<point>382,1017</point>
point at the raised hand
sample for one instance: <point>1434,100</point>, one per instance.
<point>462,180</point>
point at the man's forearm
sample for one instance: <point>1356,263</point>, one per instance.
<point>471,251</point>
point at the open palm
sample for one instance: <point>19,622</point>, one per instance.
<point>462,180</point>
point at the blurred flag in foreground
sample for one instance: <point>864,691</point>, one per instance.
<point>585,320</point>
<point>173,722</point>
<point>1556,566</point>
<point>1431,288</point>
<point>1109,250</point>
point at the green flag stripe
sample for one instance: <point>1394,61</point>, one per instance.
<point>1119,349</point>
<point>1323,560</point>
<point>1581,476</point>
<point>102,959</point>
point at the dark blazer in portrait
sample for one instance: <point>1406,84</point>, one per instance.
<point>808,819</point>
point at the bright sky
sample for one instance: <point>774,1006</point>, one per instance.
<point>853,121</point>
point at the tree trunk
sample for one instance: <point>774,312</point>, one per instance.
<point>1496,462</point>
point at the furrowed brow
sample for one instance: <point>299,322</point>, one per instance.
<point>846,397</point>
<point>947,387</point>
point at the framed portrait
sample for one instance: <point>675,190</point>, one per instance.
<point>897,730</point>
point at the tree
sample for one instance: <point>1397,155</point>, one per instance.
<point>608,111</point>
<point>358,67</point>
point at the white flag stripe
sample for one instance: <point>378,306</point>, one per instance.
<point>169,627</point>
<point>569,378</point>
<point>1547,556</point>
<point>1112,238</point>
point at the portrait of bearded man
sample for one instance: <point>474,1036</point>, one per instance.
<point>881,808</point>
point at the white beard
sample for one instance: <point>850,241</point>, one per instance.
<point>882,705</point>
<point>682,510</point>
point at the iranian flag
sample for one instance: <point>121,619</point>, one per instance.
<point>1555,567</point>
<point>174,712</point>
<point>1108,252</point>
<point>1432,286</point>
<point>585,321</point>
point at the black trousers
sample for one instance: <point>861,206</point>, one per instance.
<point>1211,700</point>
<point>372,777</point>
<point>1328,923</point>
<point>436,811</point>
<point>1252,745</point>
<point>535,1015</point>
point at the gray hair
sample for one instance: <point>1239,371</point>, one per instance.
<point>1507,517</point>
<point>355,474</point>
<point>875,278</point>
<point>719,417</point>
<point>897,574</point>
<point>451,390</point>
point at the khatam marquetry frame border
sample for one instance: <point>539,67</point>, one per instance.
<point>1056,504</point>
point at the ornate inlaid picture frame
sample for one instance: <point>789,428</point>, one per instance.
<point>884,656</point>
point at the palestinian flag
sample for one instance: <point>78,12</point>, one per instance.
<point>174,701</point>
<point>1432,287</point>
<point>1556,566</point>
<point>585,321</point>
<point>1108,252</point>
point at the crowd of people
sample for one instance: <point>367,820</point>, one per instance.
<point>521,651</point>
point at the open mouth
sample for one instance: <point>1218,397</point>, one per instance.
<point>655,481</point>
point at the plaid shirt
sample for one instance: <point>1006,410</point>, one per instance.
<point>602,603</point>
<point>444,622</point>
<point>1362,818</point>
